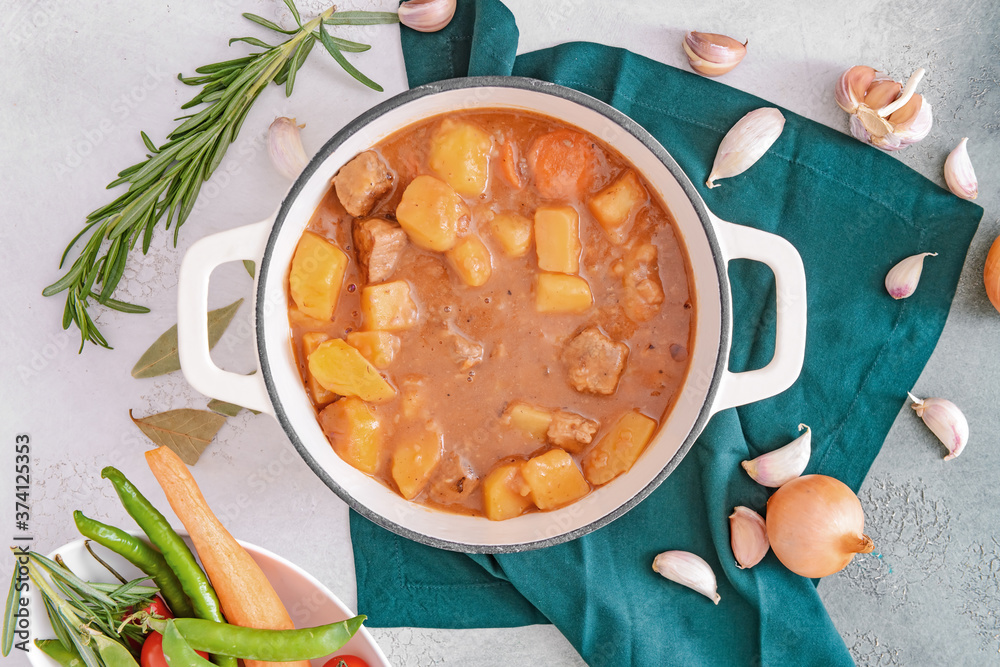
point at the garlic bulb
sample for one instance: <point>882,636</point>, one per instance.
<point>959,174</point>
<point>747,536</point>
<point>426,15</point>
<point>689,570</point>
<point>284,146</point>
<point>746,142</point>
<point>711,54</point>
<point>884,113</point>
<point>902,279</point>
<point>784,464</point>
<point>945,420</point>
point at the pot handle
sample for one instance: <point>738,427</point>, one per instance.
<point>201,372</point>
<point>740,242</point>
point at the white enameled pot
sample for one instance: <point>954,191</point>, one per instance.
<point>709,387</point>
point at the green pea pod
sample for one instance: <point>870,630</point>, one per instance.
<point>143,556</point>
<point>265,645</point>
<point>177,652</point>
<point>112,653</point>
<point>55,650</point>
<point>174,550</point>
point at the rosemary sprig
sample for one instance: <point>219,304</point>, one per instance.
<point>89,619</point>
<point>166,184</point>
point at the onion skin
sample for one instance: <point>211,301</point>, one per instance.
<point>815,525</point>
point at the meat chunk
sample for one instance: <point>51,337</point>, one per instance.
<point>467,353</point>
<point>595,362</point>
<point>571,431</point>
<point>453,481</point>
<point>379,244</point>
<point>362,182</point>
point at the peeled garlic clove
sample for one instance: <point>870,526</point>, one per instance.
<point>851,87</point>
<point>711,54</point>
<point>747,536</point>
<point>945,420</point>
<point>959,174</point>
<point>902,279</point>
<point>689,570</point>
<point>426,15</point>
<point>285,147</point>
<point>746,142</point>
<point>783,464</point>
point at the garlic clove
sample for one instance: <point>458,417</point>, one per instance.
<point>911,129</point>
<point>427,15</point>
<point>783,464</point>
<point>904,96</point>
<point>284,146</point>
<point>881,92</point>
<point>748,537</point>
<point>689,570</point>
<point>959,174</point>
<point>945,420</point>
<point>851,87</point>
<point>902,279</point>
<point>712,54</point>
<point>746,142</point>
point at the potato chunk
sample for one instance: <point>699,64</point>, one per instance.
<point>640,273</point>
<point>316,276</point>
<point>388,307</point>
<point>340,368</point>
<point>432,214</point>
<point>414,460</point>
<point>617,451</point>
<point>555,479</point>
<point>378,347</point>
<point>562,293</point>
<point>505,492</point>
<point>613,205</point>
<point>513,232</point>
<point>460,154</point>
<point>355,432</point>
<point>310,341</point>
<point>557,239</point>
<point>471,260</point>
<point>531,419</point>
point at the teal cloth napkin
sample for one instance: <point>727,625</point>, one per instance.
<point>852,212</point>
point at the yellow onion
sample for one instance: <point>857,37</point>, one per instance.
<point>815,525</point>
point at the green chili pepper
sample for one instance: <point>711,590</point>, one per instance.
<point>174,550</point>
<point>266,645</point>
<point>140,554</point>
<point>177,652</point>
<point>55,650</point>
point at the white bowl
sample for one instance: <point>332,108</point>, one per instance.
<point>308,601</point>
<point>709,387</point>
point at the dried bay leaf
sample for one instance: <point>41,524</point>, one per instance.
<point>162,358</point>
<point>186,432</point>
<point>250,267</point>
<point>228,409</point>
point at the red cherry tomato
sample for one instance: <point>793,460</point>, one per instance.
<point>158,607</point>
<point>342,661</point>
<point>152,652</point>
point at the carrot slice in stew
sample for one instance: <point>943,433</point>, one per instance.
<point>509,166</point>
<point>562,164</point>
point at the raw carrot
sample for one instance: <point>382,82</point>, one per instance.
<point>562,164</point>
<point>247,597</point>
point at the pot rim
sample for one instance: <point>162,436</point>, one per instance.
<point>545,87</point>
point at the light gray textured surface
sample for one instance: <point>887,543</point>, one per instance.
<point>81,79</point>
